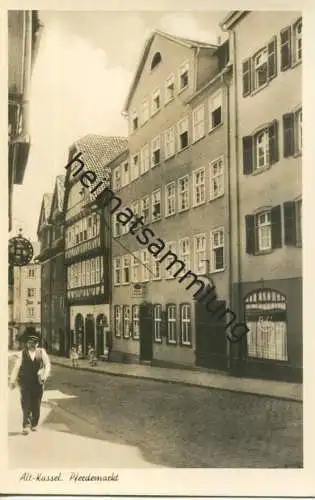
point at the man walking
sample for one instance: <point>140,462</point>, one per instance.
<point>30,372</point>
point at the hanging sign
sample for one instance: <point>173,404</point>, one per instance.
<point>20,251</point>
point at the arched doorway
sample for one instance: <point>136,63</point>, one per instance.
<point>79,331</point>
<point>101,337</point>
<point>89,332</point>
<point>266,318</point>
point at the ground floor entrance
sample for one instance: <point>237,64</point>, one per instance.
<point>89,326</point>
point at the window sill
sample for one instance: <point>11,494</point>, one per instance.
<point>262,87</point>
<point>216,271</point>
<point>169,101</point>
<point>196,205</point>
<point>155,112</point>
<point>216,197</point>
<point>135,338</point>
<point>156,164</point>
<point>186,344</point>
<point>183,210</point>
<point>194,141</point>
<point>169,157</point>
<point>182,89</point>
<point>169,278</point>
<point>296,63</point>
<point>171,342</point>
<point>260,170</point>
<point>297,154</point>
<point>184,149</point>
<point>215,128</point>
<point>157,279</point>
<point>169,215</point>
<point>263,252</point>
<point>157,341</point>
<point>156,220</point>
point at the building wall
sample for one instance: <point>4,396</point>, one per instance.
<point>26,308</point>
<point>280,268</point>
<point>201,219</point>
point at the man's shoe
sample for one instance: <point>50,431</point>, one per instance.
<point>33,428</point>
<point>25,431</point>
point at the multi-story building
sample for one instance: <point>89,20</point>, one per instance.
<point>267,205</point>
<point>50,234</point>
<point>24,29</point>
<point>88,242</point>
<point>26,297</point>
<point>176,177</point>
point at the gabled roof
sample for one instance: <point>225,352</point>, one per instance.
<point>97,152</point>
<point>45,210</point>
<point>233,17</point>
<point>186,42</point>
<point>58,195</point>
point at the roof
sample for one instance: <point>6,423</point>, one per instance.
<point>186,42</point>
<point>98,151</point>
<point>232,18</point>
<point>60,186</point>
<point>46,208</point>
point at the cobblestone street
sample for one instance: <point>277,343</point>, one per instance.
<point>173,425</point>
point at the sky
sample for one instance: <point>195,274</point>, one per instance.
<point>81,77</point>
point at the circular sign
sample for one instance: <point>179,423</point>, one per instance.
<point>20,251</point>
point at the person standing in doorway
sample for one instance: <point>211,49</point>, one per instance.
<point>30,372</point>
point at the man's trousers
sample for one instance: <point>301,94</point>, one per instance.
<point>31,398</point>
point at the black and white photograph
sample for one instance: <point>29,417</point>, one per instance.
<point>155,311</point>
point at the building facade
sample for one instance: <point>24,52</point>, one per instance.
<point>26,298</point>
<point>176,177</point>
<point>24,29</point>
<point>88,243</point>
<point>267,201</point>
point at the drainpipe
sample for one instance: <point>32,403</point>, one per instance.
<point>228,160</point>
<point>27,69</point>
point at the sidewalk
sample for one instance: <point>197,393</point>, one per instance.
<point>63,450</point>
<point>273,388</point>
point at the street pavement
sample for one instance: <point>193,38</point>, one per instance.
<point>129,422</point>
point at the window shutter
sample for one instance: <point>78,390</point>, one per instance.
<point>289,223</point>
<point>276,238</point>
<point>288,135</point>
<point>247,155</point>
<point>272,58</point>
<point>273,143</point>
<point>285,49</point>
<point>246,77</point>
<point>163,324</point>
<point>250,233</point>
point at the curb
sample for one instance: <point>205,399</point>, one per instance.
<point>191,384</point>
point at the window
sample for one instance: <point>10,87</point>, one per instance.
<point>215,110</point>
<point>217,250</point>
<point>157,58</point>
<point>199,187</point>
<point>145,269</point>
<point>185,324</point>
<point>182,128</point>
<point>135,207</point>
<point>92,272</point>
<point>291,45</point>
<point>183,75</point>
<point>117,271</point>
<point>198,123</point>
<point>117,321</point>
<point>125,174</point>
<point>170,199</point>
<point>135,268</point>
<point>171,323</point>
<point>31,292</point>
<point>200,254</point>
<point>156,269</point>
<point>31,273</point>
<point>116,226</point>
<point>170,247</point>
<point>293,223</point>
<point>156,101</point>
<point>183,193</point>
<point>216,178</point>
<point>145,209</point>
<point>170,88</point>
<point>135,322</point>
<point>144,159</point>
<point>184,252</point>
<point>263,230</point>
<point>156,151</point>
<point>31,312</point>
<point>156,205</point>
<point>134,121</point>
<point>157,321</point>
<point>261,150</point>
<point>292,133</point>
<point>134,173</point>
<point>145,111</point>
<point>261,68</point>
<point>126,269</point>
<point>169,139</point>
<point>126,321</point>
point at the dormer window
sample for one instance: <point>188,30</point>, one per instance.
<point>183,75</point>
<point>156,101</point>
<point>157,58</point>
